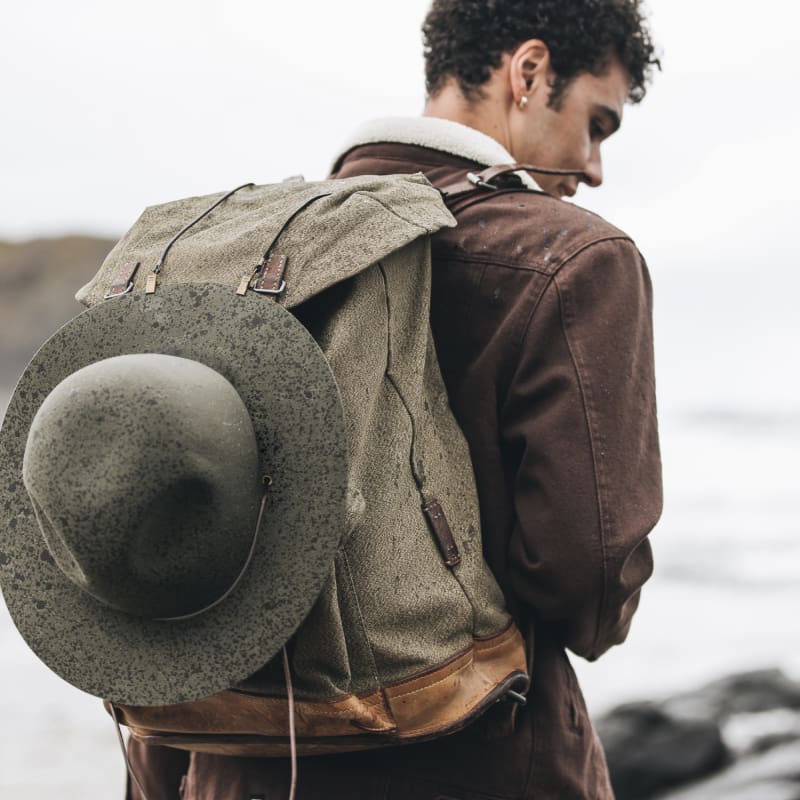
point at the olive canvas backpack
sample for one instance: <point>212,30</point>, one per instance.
<point>410,638</point>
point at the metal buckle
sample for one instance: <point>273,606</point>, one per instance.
<point>279,290</point>
<point>516,697</point>
<point>476,180</point>
<point>111,294</point>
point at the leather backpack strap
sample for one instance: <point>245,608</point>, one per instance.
<point>499,177</point>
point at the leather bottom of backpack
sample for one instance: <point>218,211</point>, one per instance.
<point>496,705</point>
<point>426,706</point>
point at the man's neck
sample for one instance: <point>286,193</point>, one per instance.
<point>485,116</point>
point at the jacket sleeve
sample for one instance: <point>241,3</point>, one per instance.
<point>581,415</point>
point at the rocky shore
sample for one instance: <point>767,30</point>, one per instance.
<point>737,738</point>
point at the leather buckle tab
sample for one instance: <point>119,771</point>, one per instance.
<point>442,533</point>
<point>123,280</point>
<point>269,276</point>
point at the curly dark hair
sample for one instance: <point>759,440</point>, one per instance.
<point>467,39</point>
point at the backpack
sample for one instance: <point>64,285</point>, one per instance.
<point>410,638</point>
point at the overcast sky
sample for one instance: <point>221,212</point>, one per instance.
<point>108,107</point>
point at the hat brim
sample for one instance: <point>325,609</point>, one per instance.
<point>287,385</point>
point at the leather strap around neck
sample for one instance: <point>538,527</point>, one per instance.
<point>490,179</point>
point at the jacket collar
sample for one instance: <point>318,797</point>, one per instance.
<point>436,134</point>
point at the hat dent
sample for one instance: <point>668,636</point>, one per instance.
<point>143,472</point>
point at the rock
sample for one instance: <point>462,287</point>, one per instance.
<point>774,775</point>
<point>748,692</point>
<point>760,731</point>
<point>752,719</point>
<point>649,749</point>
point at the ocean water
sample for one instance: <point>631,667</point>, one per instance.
<point>726,591</point>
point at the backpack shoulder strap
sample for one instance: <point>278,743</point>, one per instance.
<point>499,177</point>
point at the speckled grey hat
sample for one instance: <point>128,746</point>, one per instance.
<point>132,462</point>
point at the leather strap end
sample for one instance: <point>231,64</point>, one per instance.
<point>442,533</point>
<point>123,280</point>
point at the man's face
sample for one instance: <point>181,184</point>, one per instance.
<point>570,137</point>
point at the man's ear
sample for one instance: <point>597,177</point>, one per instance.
<point>530,69</point>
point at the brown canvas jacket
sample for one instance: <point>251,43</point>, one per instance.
<point>542,317</point>
<point>541,314</point>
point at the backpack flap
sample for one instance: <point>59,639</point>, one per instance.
<point>329,231</point>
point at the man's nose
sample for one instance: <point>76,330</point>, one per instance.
<point>594,170</point>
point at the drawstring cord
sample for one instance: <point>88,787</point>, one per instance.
<point>292,736</point>
<point>194,222</point>
<point>292,740</point>
<point>267,482</point>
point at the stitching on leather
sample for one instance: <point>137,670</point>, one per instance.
<point>507,632</point>
<point>331,714</point>
<point>493,647</point>
<point>435,683</point>
<point>504,638</point>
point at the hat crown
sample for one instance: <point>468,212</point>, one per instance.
<point>145,478</point>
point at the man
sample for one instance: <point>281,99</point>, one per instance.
<point>542,319</point>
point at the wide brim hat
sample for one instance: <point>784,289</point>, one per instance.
<point>290,395</point>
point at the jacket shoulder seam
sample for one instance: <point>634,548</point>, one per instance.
<point>582,248</point>
<point>526,266</point>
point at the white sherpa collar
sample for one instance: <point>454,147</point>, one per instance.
<point>438,134</point>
